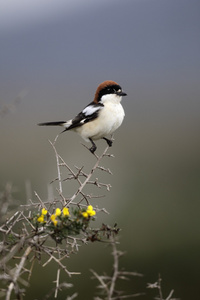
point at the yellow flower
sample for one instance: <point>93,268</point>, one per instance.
<point>53,219</point>
<point>40,219</point>
<point>85,214</point>
<point>58,212</point>
<point>44,211</point>
<point>90,207</point>
<point>55,223</point>
<point>65,211</point>
<point>90,211</point>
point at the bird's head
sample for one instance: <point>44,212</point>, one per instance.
<point>108,91</point>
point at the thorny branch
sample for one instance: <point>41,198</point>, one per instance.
<point>17,273</point>
<point>108,283</point>
<point>157,285</point>
<point>25,239</point>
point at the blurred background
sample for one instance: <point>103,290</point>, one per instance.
<point>53,56</point>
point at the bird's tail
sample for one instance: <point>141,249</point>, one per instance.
<point>58,123</point>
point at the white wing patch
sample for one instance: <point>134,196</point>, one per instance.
<point>90,110</point>
<point>67,124</point>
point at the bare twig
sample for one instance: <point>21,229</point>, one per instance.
<point>17,272</point>
<point>88,176</point>
<point>57,283</point>
<point>63,267</point>
<point>58,165</point>
<point>116,254</point>
<point>60,287</point>
<point>108,283</point>
<point>157,285</point>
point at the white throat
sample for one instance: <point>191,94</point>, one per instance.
<point>113,98</point>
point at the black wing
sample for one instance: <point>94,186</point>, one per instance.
<point>89,113</point>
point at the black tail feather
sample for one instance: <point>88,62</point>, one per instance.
<point>58,123</point>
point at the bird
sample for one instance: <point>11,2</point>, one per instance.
<point>99,118</point>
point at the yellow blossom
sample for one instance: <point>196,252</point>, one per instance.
<point>53,217</point>
<point>41,219</point>
<point>44,211</point>
<point>85,214</point>
<point>90,211</point>
<point>58,212</point>
<point>65,211</point>
<point>55,223</point>
<point>90,207</point>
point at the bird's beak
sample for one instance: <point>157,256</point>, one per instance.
<point>121,93</point>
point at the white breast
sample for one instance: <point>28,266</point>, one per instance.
<point>109,119</point>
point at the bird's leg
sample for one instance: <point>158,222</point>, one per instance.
<point>94,147</point>
<point>109,142</point>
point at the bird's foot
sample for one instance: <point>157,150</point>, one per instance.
<point>109,142</point>
<point>94,147</point>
